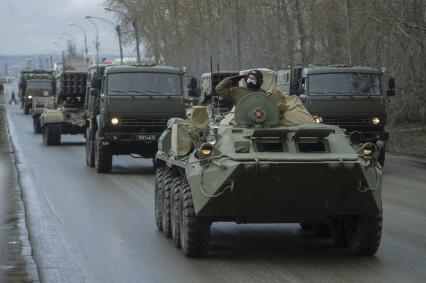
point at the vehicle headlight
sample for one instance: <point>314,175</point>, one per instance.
<point>29,96</point>
<point>318,119</point>
<point>205,150</point>
<point>375,120</point>
<point>114,121</point>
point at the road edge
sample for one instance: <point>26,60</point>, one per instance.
<point>27,252</point>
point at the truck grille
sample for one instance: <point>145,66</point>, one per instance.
<point>347,122</point>
<point>144,123</point>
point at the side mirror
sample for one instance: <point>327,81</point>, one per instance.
<point>93,92</point>
<point>193,83</point>
<point>93,83</point>
<point>193,93</point>
<point>391,87</point>
<point>391,83</point>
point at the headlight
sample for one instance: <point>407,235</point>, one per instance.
<point>375,120</point>
<point>114,121</point>
<point>205,150</point>
<point>318,119</point>
<point>29,96</point>
<point>211,139</point>
<point>368,152</point>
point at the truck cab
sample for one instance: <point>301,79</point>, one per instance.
<point>351,97</point>
<point>128,111</point>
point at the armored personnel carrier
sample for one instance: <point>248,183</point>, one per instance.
<point>257,168</point>
<point>67,117</point>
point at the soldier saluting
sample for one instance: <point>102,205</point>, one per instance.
<point>228,87</point>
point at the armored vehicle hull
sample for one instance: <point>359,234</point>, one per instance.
<point>255,173</point>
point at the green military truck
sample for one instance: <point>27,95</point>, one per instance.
<point>67,115</point>
<point>128,110</point>
<point>351,97</point>
<point>33,85</point>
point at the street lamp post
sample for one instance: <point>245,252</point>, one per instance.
<point>117,29</point>
<point>85,40</point>
<point>97,37</point>
<point>135,28</point>
<point>63,54</point>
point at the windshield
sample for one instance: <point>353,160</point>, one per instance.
<point>344,84</point>
<point>144,84</point>
<point>47,85</point>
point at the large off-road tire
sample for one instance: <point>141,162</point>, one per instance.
<point>159,175</point>
<point>306,226</point>
<point>166,220</point>
<point>174,210</point>
<point>194,231</point>
<point>338,233</point>
<point>27,109</point>
<point>103,157</point>
<point>364,233</point>
<point>381,157</point>
<point>90,147</point>
<point>36,124</point>
<point>52,134</point>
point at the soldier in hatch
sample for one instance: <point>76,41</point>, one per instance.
<point>228,88</point>
<point>292,110</point>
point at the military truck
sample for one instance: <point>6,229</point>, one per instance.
<point>257,168</point>
<point>129,109</point>
<point>351,97</point>
<point>43,96</point>
<point>28,92</point>
<point>68,115</point>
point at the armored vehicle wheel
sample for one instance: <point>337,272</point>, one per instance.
<point>27,109</point>
<point>103,157</point>
<point>36,125</point>
<point>159,175</point>
<point>364,233</point>
<point>52,134</point>
<point>90,147</point>
<point>194,231</point>
<point>174,210</point>
<point>166,220</point>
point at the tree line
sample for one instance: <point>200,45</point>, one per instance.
<point>241,34</point>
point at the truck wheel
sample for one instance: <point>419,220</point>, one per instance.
<point>381,157</point>
<point>174,210</point>
<point>90,147</point>
<point>36,124</point>
<point>103,157</point>
<point>159,175</point>
<point>306,226</point>
<point>364,233</point>
<point>52,134</point>
<point>194,231</point>
<point>322,230</point>
<point>338,233</point>
<point>27,109</point>
<point>167,186</point>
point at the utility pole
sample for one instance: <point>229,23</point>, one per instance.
<point>237,34</point>
<point>118,30</point>
<point>135,28</point>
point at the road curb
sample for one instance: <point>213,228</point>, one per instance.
<point>20,221</point>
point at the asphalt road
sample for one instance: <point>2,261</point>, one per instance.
<point>87,227</point>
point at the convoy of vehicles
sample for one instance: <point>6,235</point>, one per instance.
<point>246,165</point>
<point>351,97</point>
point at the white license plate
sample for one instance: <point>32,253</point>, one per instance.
<point>146,137</point>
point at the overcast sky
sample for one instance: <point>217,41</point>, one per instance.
<point>31,26</point>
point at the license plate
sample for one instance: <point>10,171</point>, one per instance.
<point>146,137</point>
